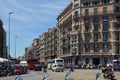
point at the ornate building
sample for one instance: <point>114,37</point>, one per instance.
<point>87,31</point>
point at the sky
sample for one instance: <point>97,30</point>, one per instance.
<point>30,19</point>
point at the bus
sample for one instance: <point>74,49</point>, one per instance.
<point>32,63</point>
<point>49,64</point>
<point>56,64</point>
<point>116,64</point>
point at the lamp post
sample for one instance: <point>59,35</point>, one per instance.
<point>9,35</point>
<point>15,45</point>
<point>15,49</point>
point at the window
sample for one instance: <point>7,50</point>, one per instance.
<point>74,49</point>
<point>117,1</point>
<point>105,47</point>
<point>118,18</point>
<point>75,0</point>
<point>87,20</point>
<point>86,12</point>
<point>117,36</point>
<point>76,6</point>
<point>105,27</point>
<point>104,9</point>
<point>86,28</point>
<point>105,1</point>
<point>76,20</point>
<point>105,36</point>
<point>95,27</point>
<point>87,48</point>
<point>87,60</point>
<point>117,9</point>
<point>96,47</point>
<point>95,3</point>
<point>76,13</point>
<point>95,11</point>
<point>105,18</point>
<point>96,19</point>
<point>105,60</point>
<point>87,37</point>
<point>95,37</point>
<point>117,48</point>
<point>74,38</point>
<point>86,4</point>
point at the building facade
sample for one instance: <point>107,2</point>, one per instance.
<point>3,47</point>
<point>50,44</point>
<point>100,30</point>
<point>87,31</point>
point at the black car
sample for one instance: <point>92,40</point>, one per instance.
<point>38,67</point>
<point>116,66</point>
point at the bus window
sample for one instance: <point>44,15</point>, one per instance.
<point>59,61</point>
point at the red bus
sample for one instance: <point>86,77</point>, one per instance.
<point>32,63</point>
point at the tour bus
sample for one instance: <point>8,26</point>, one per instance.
<point>56,64</point>
<point>32,63</point>
<point>49,64</point>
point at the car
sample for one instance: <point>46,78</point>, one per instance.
<point>116,65</point>
<point>38,67</point>
<point>17,69</point>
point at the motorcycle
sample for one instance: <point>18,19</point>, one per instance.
<point>109,75</point>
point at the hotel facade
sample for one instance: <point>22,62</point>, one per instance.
<point>87,31</point>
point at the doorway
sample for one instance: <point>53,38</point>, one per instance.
<point>96,61</point>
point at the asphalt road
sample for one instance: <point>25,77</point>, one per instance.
<point>76,75</point>
<point>32,75</point>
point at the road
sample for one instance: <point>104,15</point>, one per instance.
<point>76,75</point>
<point>32,75</point>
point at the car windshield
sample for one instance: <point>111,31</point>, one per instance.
<point>117,63</point>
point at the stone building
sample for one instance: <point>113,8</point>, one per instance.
<point>3,47</point>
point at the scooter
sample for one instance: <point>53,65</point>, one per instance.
<point>45,75</point>
<point>68,73</point>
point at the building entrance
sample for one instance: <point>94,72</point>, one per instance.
<point>96,61</point>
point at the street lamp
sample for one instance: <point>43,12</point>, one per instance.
<point>9,35</point>
<point>15,45</point>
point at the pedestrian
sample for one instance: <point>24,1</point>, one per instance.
<point>45,69</point>
<point>71,68</point>
<point>18,77</point>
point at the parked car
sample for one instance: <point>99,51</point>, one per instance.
<point>116,65</point>
<point>38,67</point>
<point>17,69</point>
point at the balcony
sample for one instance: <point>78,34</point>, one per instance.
<point>116,27</point>
<point>86,31</point>
<point>76,16</point>
<point>99,13</point>
<point>117,10</point>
